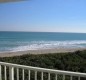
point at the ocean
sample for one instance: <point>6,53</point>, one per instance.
<point>22,41</point>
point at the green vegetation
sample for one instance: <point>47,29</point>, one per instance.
<point>73,61</point>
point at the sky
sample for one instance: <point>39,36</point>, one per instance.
<point>44,16</point>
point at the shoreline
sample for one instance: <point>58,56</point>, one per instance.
<point>42,51</point>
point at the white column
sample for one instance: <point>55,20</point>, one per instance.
<point>5,73</point>
<point>22,74</point>
<point>79,78</point>
<point>35,75</point>
<point>0,73</point>
<point>17,74</point>
<point>63,77</point>
<point>71,77</point>
<point>56,77</point>
<point>11,73</point>
<point>48,76</point>
<point>28,74</point>
<point>41,75</point>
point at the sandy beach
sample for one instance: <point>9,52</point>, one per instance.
<point>44,51</point>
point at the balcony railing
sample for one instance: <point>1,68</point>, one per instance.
<point>10,71</point>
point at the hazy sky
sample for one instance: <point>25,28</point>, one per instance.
<point>44,15</point>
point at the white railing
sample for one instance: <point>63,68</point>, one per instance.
<point>8,72</point>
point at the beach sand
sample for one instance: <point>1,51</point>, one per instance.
<point>44,51</point>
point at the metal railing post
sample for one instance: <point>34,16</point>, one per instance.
<point>35,75</point>
<point>0,73</point>
<point>11,73</point>
<point>3,73</point>
<point>28,74</point>
<point>48,76</point>
<point>63,77</point>
<point>71,77</point>
<point>79,78</point>
<point>22,74</point>
<point>55,76</point>
<point>17,74</point>
<point>41,75</point>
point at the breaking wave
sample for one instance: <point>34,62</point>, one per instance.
<point>36,45</point>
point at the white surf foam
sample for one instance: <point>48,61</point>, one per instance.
<point>36,45</point>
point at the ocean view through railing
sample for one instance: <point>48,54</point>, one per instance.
<point>9,71</point>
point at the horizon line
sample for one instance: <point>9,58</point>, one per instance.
<point>44,31</point>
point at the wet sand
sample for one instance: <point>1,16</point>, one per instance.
<point>44,51</point>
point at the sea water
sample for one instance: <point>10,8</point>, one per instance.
<point>22,41</point>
